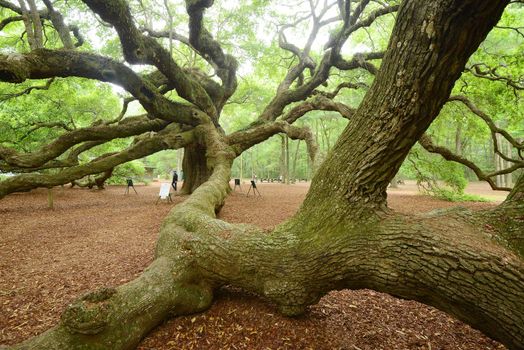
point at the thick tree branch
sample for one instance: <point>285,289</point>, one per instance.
<point>141,49</point>
<point>242,140</point>
<point>201,39</point>
<point>317,103</point>
<point>170,138</point>
<point>36,23</point>
<point>128,127</point>
<point>9,20</point>
<point>360,60</point>
<point>9,5</point>
<point>58,22</point>
<point>42,64</point>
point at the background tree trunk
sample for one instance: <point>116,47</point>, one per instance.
<point>458,139</point>
<point>295,159</point>
<point>288,173</point>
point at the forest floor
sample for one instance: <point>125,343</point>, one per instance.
<point>105,238</point>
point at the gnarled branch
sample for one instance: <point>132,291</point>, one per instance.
<point>42,64</point>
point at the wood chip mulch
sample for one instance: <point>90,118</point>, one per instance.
<point>105,238</point>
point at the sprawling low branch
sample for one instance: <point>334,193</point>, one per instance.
<point>127,127</point>
<point>98,180</point>
<point>169,138</point>
<point>72,159</point>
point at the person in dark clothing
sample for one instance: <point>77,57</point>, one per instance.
<point>175,180</point>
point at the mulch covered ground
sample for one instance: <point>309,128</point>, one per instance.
<point>104,238</point>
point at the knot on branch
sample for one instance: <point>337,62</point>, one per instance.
<point>198,5</point>
<point>193,298</point>
<point>89,314</point>
<point>291,297</point>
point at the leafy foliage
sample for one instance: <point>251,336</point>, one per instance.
<point>134,170</point>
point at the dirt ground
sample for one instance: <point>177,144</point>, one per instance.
<point>105,238</point>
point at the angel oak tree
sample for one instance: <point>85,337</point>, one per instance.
<point>468,264</point>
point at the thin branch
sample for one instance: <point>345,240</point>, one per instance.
<point>491,73</point>
<point>519,30</point>
<point>5,97</point>
<point>494,129</point>
<point>346,85</point>
<point>426,142</point>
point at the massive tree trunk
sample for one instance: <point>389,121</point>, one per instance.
<point>343,236</point>
<point>195,168</point>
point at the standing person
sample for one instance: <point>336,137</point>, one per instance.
<point>175,180</point>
